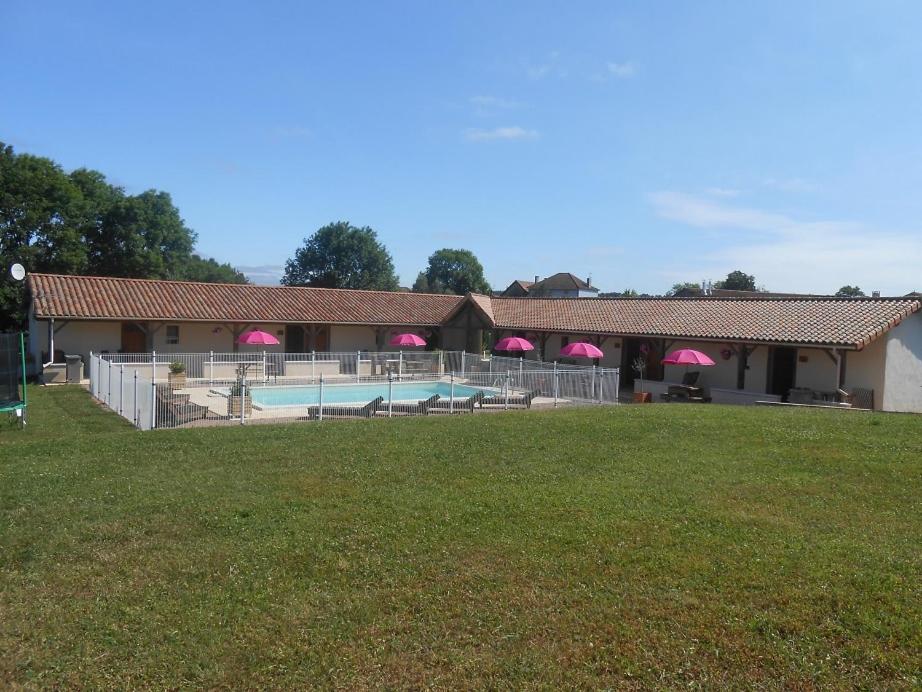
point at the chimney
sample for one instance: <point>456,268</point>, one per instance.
<point>589,281</point>
<point>875,294</point>
<point>536,278</point>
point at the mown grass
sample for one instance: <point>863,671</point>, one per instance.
<point>659,546</point>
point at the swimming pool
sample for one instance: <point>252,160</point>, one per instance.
<point>309,395</point>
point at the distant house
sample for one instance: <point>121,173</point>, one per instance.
<point>560,285</point>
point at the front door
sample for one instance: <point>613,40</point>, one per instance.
<point>133,339</point>
<point>650,350</point>
<point>294,338</point>
<point>782,371</point>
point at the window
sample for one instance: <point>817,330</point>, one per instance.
<point>172,334</point>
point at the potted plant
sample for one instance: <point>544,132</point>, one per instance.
<point>177,375</point>
<point>237,399</point>
<point>640,366</point>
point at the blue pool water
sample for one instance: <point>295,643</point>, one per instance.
<point>308,395</point>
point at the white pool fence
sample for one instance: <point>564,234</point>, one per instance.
<point>222,388</point>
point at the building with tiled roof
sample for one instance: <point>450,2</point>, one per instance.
<point>560,285</point>
<point>761,345</point>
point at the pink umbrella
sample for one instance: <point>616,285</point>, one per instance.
<point>513,343</point>
<point>687,356</point>
<point>407,340</point>
<point>256,337</point>
<point>581,349</point>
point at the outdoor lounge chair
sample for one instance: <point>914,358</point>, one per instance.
<point>176,409</point>
<point>333,411</point>
<point>420,408</point>
<point>514,399</point>
<point>458,406</point>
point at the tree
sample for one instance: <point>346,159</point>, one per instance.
<point>454,271</point>
<point>210,271</point>
<point>849,292</point>
<point>422,285</point>
<point>77,223</point>
<point>341,255</point>
<point>689,286</point>
<point>737,281</point>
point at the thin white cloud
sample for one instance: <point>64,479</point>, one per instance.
<point>493,102</point>
<point>791,184</point>
<point>266,274</point>
<point>621,70</point>
<point>486,106</point>
<point>499,133</point>
<point>722,192</point>
<point>550,67</point>
<point>790,254</point>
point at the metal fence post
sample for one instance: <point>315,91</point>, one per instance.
<point>109,384</point>
<point>265,371</point>
<point>243,398</point>
<point>211,367</point>
<point>135,413</point>
<point>320,400</point>
<point>400,366</point>
<point>451,395</point>
<point>441,362</point>
<point>121,389</point>
<point>358,366</point>
<point>463,359</point>
<point>153,405</point>
<point>556,384</point>
<point>153,366</point>
<point>508,379</point>
<point>592,385</point>
<point>390,394</point>
<point>520,369</point>
<point>601,380</point>
<point>313,364</point>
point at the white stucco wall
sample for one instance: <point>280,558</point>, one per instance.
<point>818,372</point>
<point>352,338</point>
<point>78,337</point>
<point>903,369</point>
<point>865,369</point>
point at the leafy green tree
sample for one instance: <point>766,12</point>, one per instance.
<point>455,271</point>
<point>341,255</point>
<point>210,271</point>
<point>849,292</point>
<point>77,223</point>
<point>685,286</point>
<point>422,285</point>
<point>738,281</point>
<point>143,236</point>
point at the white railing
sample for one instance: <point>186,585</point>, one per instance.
<point>417,386</point>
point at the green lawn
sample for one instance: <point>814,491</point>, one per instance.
<point>657,546</point>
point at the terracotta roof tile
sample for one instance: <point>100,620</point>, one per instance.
<point>847,322</point>
<point>90,297</point>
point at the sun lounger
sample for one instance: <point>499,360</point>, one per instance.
<point>334,411</point>
<point>421,408</point>
<point>513,400</point>
<point>458,406</point>
<point>176,409</point>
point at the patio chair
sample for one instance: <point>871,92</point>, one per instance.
<point>458,406</point>
<point>420,408</point>
<point>366,411</point>
<point>514,399</point>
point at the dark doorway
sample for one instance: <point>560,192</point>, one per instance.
<point>294,338</point>
<point>782,369</point>
<point>134,340</point>
<point>651,350</point>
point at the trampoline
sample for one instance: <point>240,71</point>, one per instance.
<point>13,376</point>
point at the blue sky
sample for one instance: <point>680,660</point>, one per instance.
<point>641,143</point>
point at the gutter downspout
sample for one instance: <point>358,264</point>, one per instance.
<point>50,344</point>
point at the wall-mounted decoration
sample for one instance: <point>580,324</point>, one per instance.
<point>726,353</point>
